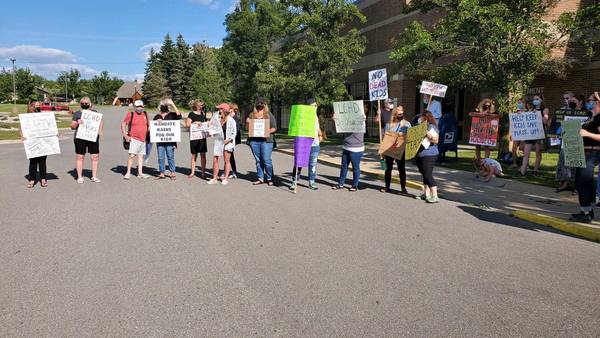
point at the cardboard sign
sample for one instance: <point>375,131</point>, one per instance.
<point>199,131</point>
<point>414,137</point>
<point>41,146</point>
<point>392,145</point>
<point>560,114</point>
<point>378,86</point>
<point>434,89</point>
<point>38,125</point>
<point>302,121</point>
<point>484,130</point>
<point>573,144</point>
<point>91,126</point>
<point>526,126</point>
<point>302,147</point>
<point>349,117</point>
<point>162,131</point>
<point>259,128</point>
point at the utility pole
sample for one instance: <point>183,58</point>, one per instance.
<point>14,83</point>
<point>66,90</point>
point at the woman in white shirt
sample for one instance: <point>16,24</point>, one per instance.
<point>224,142</point>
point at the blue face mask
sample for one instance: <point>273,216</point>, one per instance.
<point>590,105</point>
<point>520,105</point>
<point>537,102</point>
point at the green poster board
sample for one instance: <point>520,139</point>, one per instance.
<point>414,137</point>
<point>302,121</point>
<point>573,144</point>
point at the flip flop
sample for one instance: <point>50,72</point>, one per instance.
<point>172,177</point>
<point>257,182</point>
<point>30,185</point>
<point>44,184</point>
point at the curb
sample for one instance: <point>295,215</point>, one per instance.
<point>581,230</point>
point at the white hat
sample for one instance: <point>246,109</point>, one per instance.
<point>138,103</point>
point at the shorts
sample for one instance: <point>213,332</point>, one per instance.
<point>534,141</point>
<point>137,147</point>
<point>84,146</point>
<point>198,146</point>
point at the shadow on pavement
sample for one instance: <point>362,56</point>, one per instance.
<point>49,176</point>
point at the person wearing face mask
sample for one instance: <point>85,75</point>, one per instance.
<point>398,125</point>
<point>517,144</point>
<point>135,128</point>
<point>434,106</point>
<point>83,146</point>
<point>426,158</point>
<point>564,174</point>
<point>485,108</point>
<point>234,113</point>
<point>313,157</point>
<point>262,147</point>
<point>566,98</point>
<point>537,106</point>
<point>584,177</point>
<point>197,116</point>
<point>385,115</point>
<point>166,149</point>
<point>36,162</point>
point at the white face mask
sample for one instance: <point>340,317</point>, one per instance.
<point>139,110</point>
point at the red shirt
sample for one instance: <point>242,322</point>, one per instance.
<point>139,126</point>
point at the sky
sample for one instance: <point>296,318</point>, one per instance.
<point>95,35</point>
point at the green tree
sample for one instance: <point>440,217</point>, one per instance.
<point>181,73</point>
<point>72,79</point>
<point>209,82</point>
<point>166,60</point>
<point>155,83</point>
<point>26,82</point>
<point>485,45</point>
<point>103,88</point>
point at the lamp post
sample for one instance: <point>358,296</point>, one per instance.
<point>14,83</point>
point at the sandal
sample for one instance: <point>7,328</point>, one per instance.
<point>257,182</point>
<point>30,184</point>
<point>44,183</point>
<point>337,187</point>
<point>172,177</point>
<point>160,177</point>
<point>384,190</point>
<point>353,189</point>
<point>270,183</point>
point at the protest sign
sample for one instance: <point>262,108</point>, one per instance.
<point>302,121</point>
<point>90,127</point>
<point>573,144</point>
<point>41,146</point>
<point>199,131</point>
<point>38,125</point>
<point>259,128</point>
<point>165,131</point>
<point>434,89</point>
<point>526,126</point>
<point>214,126</point>
<point>378,86</point>
<point>484,130</point>
<point>302,147</point>
<point>560,114</point>
<point>414,137</point>
<point>349,117</point>
<point>393,145</point>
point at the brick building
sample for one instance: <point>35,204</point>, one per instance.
<point>385,20</point>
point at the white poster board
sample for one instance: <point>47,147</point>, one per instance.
<point>199,131</point>
<point>435,89</point>
<point>91,126</point>
<point>162,131</point>
<point>259,127</point>
<point>349,117</point>
<point>41,146</point>
<point>378,86</point>
<point>214,126</point>
<point>526,126</point>
<point>38,125</point>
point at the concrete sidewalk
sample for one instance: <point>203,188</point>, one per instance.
<point>535,203</point>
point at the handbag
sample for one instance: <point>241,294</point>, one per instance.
<point>125,142</point>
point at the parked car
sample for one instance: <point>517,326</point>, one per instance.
<point>52,106</point>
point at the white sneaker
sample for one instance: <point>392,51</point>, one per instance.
<point>96,179</point>
<point>212,181</point>
<point>143,176</point>
<point>80,180</point>
<point>224,182</point>
<point>127,176</point>
<point>233,176</point>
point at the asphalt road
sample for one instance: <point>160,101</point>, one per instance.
<point>182,258</point>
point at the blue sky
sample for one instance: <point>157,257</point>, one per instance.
<point>97,35</point>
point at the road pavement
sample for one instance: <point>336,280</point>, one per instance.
<point>182,258</point>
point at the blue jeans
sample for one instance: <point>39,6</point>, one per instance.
<point>312,165</point>
<point>347,158</point>
<point>168,150</point>
<point>262,155</point>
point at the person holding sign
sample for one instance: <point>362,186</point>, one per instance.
<point>353,149</point>
<point>262,147</point>
<point>426,157</point>
<point>313,157</point>
<point>197,146</point>
<point>167,149</point>
<point>36,162</point>
<point>584,176</point>
<point>386,114</point>
<point>234,113</point>
<point>517,144</point>
<point>135,133</point>
<point>538,107</point>
<point>84,146</point>
<point>224,142</point>
<point>485,108</point>
<point>397,125</point>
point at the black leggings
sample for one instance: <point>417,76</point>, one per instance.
<point>389,164</point>
<point>584,180</point>
<point>33,167</point>
<point>232,162</point>
<point>425,165</point>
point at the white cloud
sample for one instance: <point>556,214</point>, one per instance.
<point>132,77</point>
<point>145,49</point>
<point>34,53</point>
<point>51,70</point>
<point>211,4</point>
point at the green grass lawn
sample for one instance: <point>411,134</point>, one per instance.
<point>8,108</point>
<point>9,135</point>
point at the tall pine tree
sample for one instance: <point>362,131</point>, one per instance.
<point>180,75</point>
<point>155,83</point>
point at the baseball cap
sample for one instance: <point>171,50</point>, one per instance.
<point>388,100</point>
<point>223,106</point>
<point>138,103</point>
